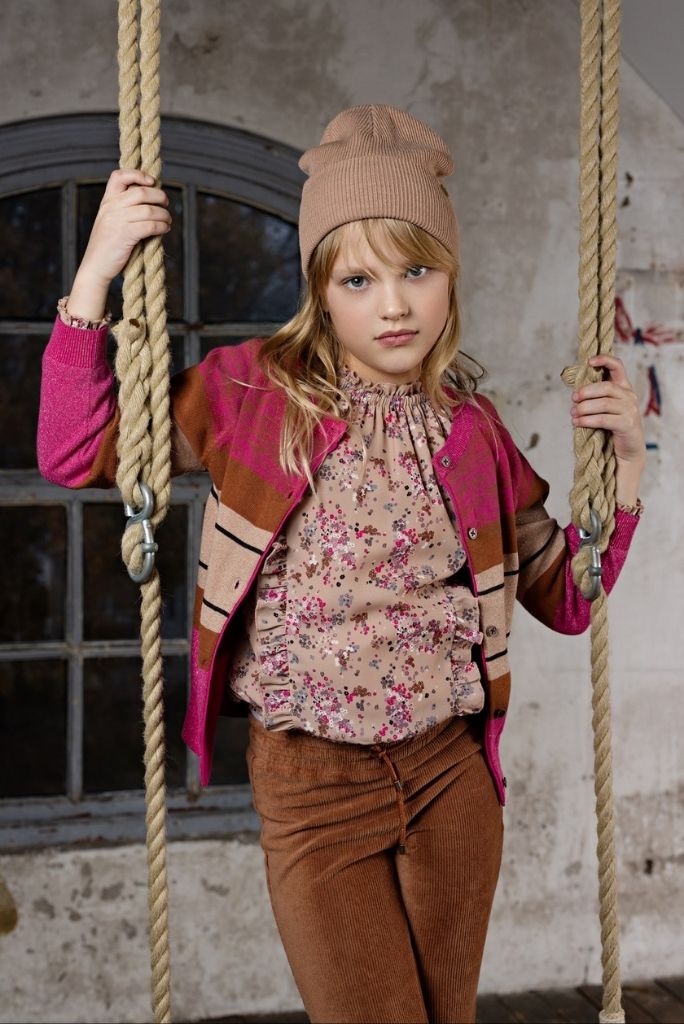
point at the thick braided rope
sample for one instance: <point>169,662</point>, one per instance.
<point>144,446</point>
<point>594,480</point>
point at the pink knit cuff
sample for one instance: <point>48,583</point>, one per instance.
<point>625,525</point>
<point>77,346</point>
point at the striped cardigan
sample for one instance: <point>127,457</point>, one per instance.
<point>514,548</point>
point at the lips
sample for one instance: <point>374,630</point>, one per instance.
<point>396,339</point>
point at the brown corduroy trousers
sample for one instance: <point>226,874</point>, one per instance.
<point>381,866</point>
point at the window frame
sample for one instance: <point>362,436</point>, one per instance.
<point>66,152</point>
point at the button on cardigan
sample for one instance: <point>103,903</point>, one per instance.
<point>227,418</point>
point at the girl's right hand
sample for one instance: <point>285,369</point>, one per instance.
<point>131,209</point>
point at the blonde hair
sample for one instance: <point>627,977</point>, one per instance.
<point>303,357</point>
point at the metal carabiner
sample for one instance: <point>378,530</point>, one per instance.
<point>148,545</point>
<point>592,538</point>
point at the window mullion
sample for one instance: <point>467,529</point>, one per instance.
<point>191,283</point>
<point>74,637</point>
<point>190,257</point>
<point>69,235</point>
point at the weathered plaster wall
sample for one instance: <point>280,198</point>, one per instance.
<point>499,80</point>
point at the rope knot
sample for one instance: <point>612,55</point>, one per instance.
<point>577,375</point>
<point>130,330</point>
<point>569,375</point>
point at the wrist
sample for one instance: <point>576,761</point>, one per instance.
<point>88,296</point>
<point>92,277</point>
<point>627,481</point>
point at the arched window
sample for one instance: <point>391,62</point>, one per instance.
<point>70,718</point>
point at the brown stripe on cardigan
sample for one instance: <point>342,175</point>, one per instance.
<point>191,411</point>
<point>499,686</point>
<point>103,469</point>
<point>254,498</point>
<point>197,608</point>
<point>485,550</point>
<point>542,581</point>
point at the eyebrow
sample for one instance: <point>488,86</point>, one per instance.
<point>353,270</point>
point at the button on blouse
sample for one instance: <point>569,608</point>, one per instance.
<point>357,629</point>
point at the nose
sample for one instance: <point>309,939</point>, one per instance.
<point>393,301</point>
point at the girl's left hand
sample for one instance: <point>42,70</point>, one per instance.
<point>612,405</point>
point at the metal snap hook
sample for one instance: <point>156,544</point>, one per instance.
<point>592,538</point>
<point>148,545</point>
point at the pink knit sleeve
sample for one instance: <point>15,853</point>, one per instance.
<point>546,587</point>
<point>77,402</point>
<point>573,615</point>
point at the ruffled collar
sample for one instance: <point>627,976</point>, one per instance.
<point>357,388</point>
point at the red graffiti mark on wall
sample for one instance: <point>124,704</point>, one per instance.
<point>654,401</point>
<point>653,334</point>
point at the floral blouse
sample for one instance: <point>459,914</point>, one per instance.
<point>360,627</point>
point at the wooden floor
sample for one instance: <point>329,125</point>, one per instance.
<point>660,1001</point>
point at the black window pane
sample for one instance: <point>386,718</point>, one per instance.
<point>20,367</point>
<point>112,599</point>
<point>230,764</point>
<point>31,246</point>
<point>113,745</point>
<point>178,360</point>
<point>32,728</point>
<point>248,262</point>
<point>89,199</point>
<point>34,566</point>
<point>173,254</point>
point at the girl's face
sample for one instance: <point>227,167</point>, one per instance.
<point>366,298</point>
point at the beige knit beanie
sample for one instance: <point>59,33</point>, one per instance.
<point>376,161</point>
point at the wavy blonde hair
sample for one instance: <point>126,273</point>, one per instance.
<point>303,357</point>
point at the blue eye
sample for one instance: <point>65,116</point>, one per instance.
<point>421,272</point>
<point>358,277</point>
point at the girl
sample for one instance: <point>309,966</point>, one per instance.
<point>369,526</point>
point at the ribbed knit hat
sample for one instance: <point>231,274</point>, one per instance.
<point>376,161</point>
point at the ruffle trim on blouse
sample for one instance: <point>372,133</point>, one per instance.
<point>272,652</point>
<point>467,612</point>
<point>466,695</point>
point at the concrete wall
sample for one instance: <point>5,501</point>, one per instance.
<point>499,81</point>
